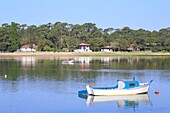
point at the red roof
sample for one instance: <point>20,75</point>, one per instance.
<point>25,46</point>
<point>106,47</point>
<point>65,48</point>
<point>84,44</point>
<point>29,46</point>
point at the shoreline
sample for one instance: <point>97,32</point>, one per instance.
<point>85,54</point>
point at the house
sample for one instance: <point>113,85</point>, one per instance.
<point>28,48</point>
<point>83,47</point>
<point>129,49</point>
<point>106,49</point>
<point>66,49</point>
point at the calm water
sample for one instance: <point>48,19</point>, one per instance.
<point>45,85</point>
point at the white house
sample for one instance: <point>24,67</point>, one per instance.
<point>66,49</point>
<point>106,49</point>
<point>83,47</point>
<point>27,48</point>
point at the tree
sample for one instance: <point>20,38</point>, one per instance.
<point>115,46</point>
<point>71,43</point>
<point>14,38</point>
<point>120,44</point>
<point>97,44</point>
<point>150,40</point>
<point>44,42</point>
<point>60,35</point>
<point>29,35</point>
<point>48,48</point>
<point>4,37</point>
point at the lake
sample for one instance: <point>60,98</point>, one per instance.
<point>31,84</point>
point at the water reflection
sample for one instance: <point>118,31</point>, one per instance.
<point>83,60</point>
<point>85,68</point>
<point>122,101</point>
<point>115,62</point>
<point>42,80</point>
<point>27,60</point>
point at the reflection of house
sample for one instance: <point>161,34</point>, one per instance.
<point>28,48</point>
<point>106,49</point>
<point>106,59</point>
<point>83,61</point>
<point>83,47</point>
<point>27,61</point>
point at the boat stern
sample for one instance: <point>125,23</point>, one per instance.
<point>89,90</point>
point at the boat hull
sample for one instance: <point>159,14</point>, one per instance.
<point>142,89</point>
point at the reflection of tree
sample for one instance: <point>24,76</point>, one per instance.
<point>97,71</point>
<point>11,68</point>
<point>84,68</point>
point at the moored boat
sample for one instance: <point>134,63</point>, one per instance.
<point>68,61</point>
<point>122,88</point>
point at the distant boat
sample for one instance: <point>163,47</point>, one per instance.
<point>122,88</point>
<point>68,61</point>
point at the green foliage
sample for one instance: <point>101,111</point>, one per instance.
<point>155,49</point>
<point>55,37</point>
<point>14,39</point>
<point>98,43</point>
<point>163,51</point>
<point>150,40</point>
<point>48,48</point>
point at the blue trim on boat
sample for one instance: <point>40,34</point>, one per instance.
<point>128,85</point>
<point>104,87</point>
<point>83,92</point>
<point>131,84</point>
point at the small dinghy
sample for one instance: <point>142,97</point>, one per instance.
<point>68,61</point>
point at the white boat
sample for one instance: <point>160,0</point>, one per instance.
<point>68,61</point>
<point>122,88</point>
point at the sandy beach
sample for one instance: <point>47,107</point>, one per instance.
<point>85,54</point>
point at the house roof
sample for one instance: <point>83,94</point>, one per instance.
<point>29,46</point>
<point>84,44</point>
<point>25,46</point>
<point>106,47</point>
<point>65,48</point>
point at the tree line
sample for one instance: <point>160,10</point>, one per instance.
<point>55,37</point>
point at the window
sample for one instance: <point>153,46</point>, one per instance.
<point>132,84</point>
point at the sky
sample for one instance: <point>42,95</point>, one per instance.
<point>146,14</point>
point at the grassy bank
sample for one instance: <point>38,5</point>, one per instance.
<point>85,54</point>
<point>122,54</point>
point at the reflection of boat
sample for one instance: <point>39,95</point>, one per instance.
<point>68,61</point>
<point>122,101</point>
<point>122,88</point>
